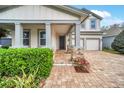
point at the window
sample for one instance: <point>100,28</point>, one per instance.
<point>26,36</point>
<point>42,38</point>
<point>93,23</point>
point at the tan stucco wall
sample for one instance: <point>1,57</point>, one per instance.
<point>34,40</point>
<point>34,33</point>
<point>88,24</point>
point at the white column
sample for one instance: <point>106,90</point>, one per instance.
<point>13,38</point>
<point>77,35</point>
<point>18,36</point>
<point>100,44</point>
<point>48,35</point>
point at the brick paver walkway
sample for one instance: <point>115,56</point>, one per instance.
<point>62,58</point>
<point>107,71</point>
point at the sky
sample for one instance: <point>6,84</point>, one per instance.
<point>112,14</point>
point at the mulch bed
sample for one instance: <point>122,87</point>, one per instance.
<point>81,65</point>
<point>80,69</point>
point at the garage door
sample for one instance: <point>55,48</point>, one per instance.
<point>73,42</point>
<point>92,44</point>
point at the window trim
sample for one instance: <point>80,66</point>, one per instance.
<point>27,30</point>
<point>95,23</point>
<point>40,30</point>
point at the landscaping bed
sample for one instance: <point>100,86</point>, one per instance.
<point>24,67</point>
<point>79,61</point>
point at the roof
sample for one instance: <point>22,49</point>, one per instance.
<point>113,31</point>
<point>86,11</point>
<point>74,10</point>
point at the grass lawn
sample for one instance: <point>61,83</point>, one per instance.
<point>111,51</point>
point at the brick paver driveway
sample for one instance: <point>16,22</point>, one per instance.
<point>107,71</point>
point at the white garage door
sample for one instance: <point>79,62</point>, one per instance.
<point>92,44</point>
<point>73,42</point>
<point>82,43</point>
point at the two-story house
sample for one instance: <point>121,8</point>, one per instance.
<point>52,26</point>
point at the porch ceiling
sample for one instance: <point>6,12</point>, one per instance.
<point>61,29</point>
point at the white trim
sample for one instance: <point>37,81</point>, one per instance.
<point>48,35</point>
<point>38,21</point>
<point>109,36</point>
<point>27,30</point>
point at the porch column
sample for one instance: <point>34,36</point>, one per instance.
<point>77,35</point>
<point>18,36</point>
<point>70,38</point>
<point>48,35</point>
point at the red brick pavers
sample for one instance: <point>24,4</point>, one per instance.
<point>107,72</point>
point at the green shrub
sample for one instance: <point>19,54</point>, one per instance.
<point>7,82</point>
<point>121,51</point>
<point>118,43</point>
<point>26,81</point>
<point>13,60</point>
<point>5,46</point>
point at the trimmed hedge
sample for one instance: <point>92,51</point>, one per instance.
<point>29,59</point>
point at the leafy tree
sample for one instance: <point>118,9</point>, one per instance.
<point>3,32</point>
<point>118,43</point>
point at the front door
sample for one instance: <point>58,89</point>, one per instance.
<point>61,42</point>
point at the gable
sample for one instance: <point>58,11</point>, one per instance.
<point>93,14</point>
<point>36,12</point>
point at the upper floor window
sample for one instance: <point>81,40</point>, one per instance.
<point>93,23</point>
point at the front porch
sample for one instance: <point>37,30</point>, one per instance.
<point>52,34</point>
